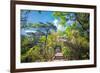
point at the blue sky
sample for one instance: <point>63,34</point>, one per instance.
<point>35,16</point>
<point>44,16</point>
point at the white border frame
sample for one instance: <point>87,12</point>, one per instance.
<point>20,65</point>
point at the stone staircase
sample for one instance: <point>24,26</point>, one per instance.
<point>58,56</point>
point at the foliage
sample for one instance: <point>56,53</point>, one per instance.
<point>74,40</point>
<point>66,52</point>
<point>77,33</point>
<point>34,55</point>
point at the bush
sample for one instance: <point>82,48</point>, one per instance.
<point>66,52</point>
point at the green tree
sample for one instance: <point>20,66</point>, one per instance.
<point>77,33</point>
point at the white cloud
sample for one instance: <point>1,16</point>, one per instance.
<point>55,22</point>
<point>59,27</point>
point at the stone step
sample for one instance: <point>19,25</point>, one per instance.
<point>58,56</point>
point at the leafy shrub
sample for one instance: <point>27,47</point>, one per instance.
<point>66,52</point>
